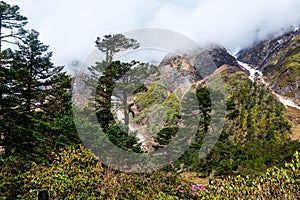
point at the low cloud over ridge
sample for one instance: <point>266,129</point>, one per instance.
<point>70,27</point>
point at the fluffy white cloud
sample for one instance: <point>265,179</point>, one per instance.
<point>70,27</point>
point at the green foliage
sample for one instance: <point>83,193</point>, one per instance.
<point>254,136</point>
<point>155,94</point>
<point>161,110</point>
<point>37,114</point>
<point>117,136</point>
<point>11,168</point>
<point>250,158</point>
<point>277,183</point>
<point>164,136</point>
<point>253,113</point>
<point>172,109</point>
<point>76,174</point>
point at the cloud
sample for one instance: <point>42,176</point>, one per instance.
<point>70,27</point>
<point>233,23</point>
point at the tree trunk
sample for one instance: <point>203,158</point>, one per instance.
<point>1,89</point>
<point>0,35</point>
<point>126,112</point>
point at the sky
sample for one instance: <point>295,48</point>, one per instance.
<point>70,27</point>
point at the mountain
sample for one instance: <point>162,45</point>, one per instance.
<point>245,99</point>
<point>256,122</point>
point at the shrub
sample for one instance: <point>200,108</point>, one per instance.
<point>75,173</point>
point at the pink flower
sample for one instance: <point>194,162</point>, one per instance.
<point>201,187</point>
<point>195,193</point>
<point>193,188</point>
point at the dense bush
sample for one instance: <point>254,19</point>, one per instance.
<point>277,183</point>
<point>77,174</point>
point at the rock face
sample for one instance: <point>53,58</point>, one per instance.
<point>201,63</point>
<point>269,51</point>
<point>221,57</point>
<point>279,60</point>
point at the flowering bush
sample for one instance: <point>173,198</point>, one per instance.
<point>77,174</point>
<point>277,183</point>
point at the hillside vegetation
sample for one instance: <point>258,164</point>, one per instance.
<point>74,173</point>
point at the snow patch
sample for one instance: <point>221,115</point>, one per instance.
<point>287,102</point>
<point>253,72</point>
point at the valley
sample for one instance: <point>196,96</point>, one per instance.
<point>149,114</point>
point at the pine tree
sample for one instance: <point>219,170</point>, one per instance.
<point>109,75</point>
<point>11,30</point>
<point>112,44</point>
<point>203,97</point>
<point>37,93</point>
<point>11,23</point>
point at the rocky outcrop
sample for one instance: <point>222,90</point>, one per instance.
<point>202,62</point>
<point>221,57</point>
<point>269,51</point>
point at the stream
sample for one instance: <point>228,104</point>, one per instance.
<point>120,117</point>
<point>141,133</point>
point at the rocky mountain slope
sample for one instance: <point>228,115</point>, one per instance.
<point>158,108</point>
<point>279,60</point>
